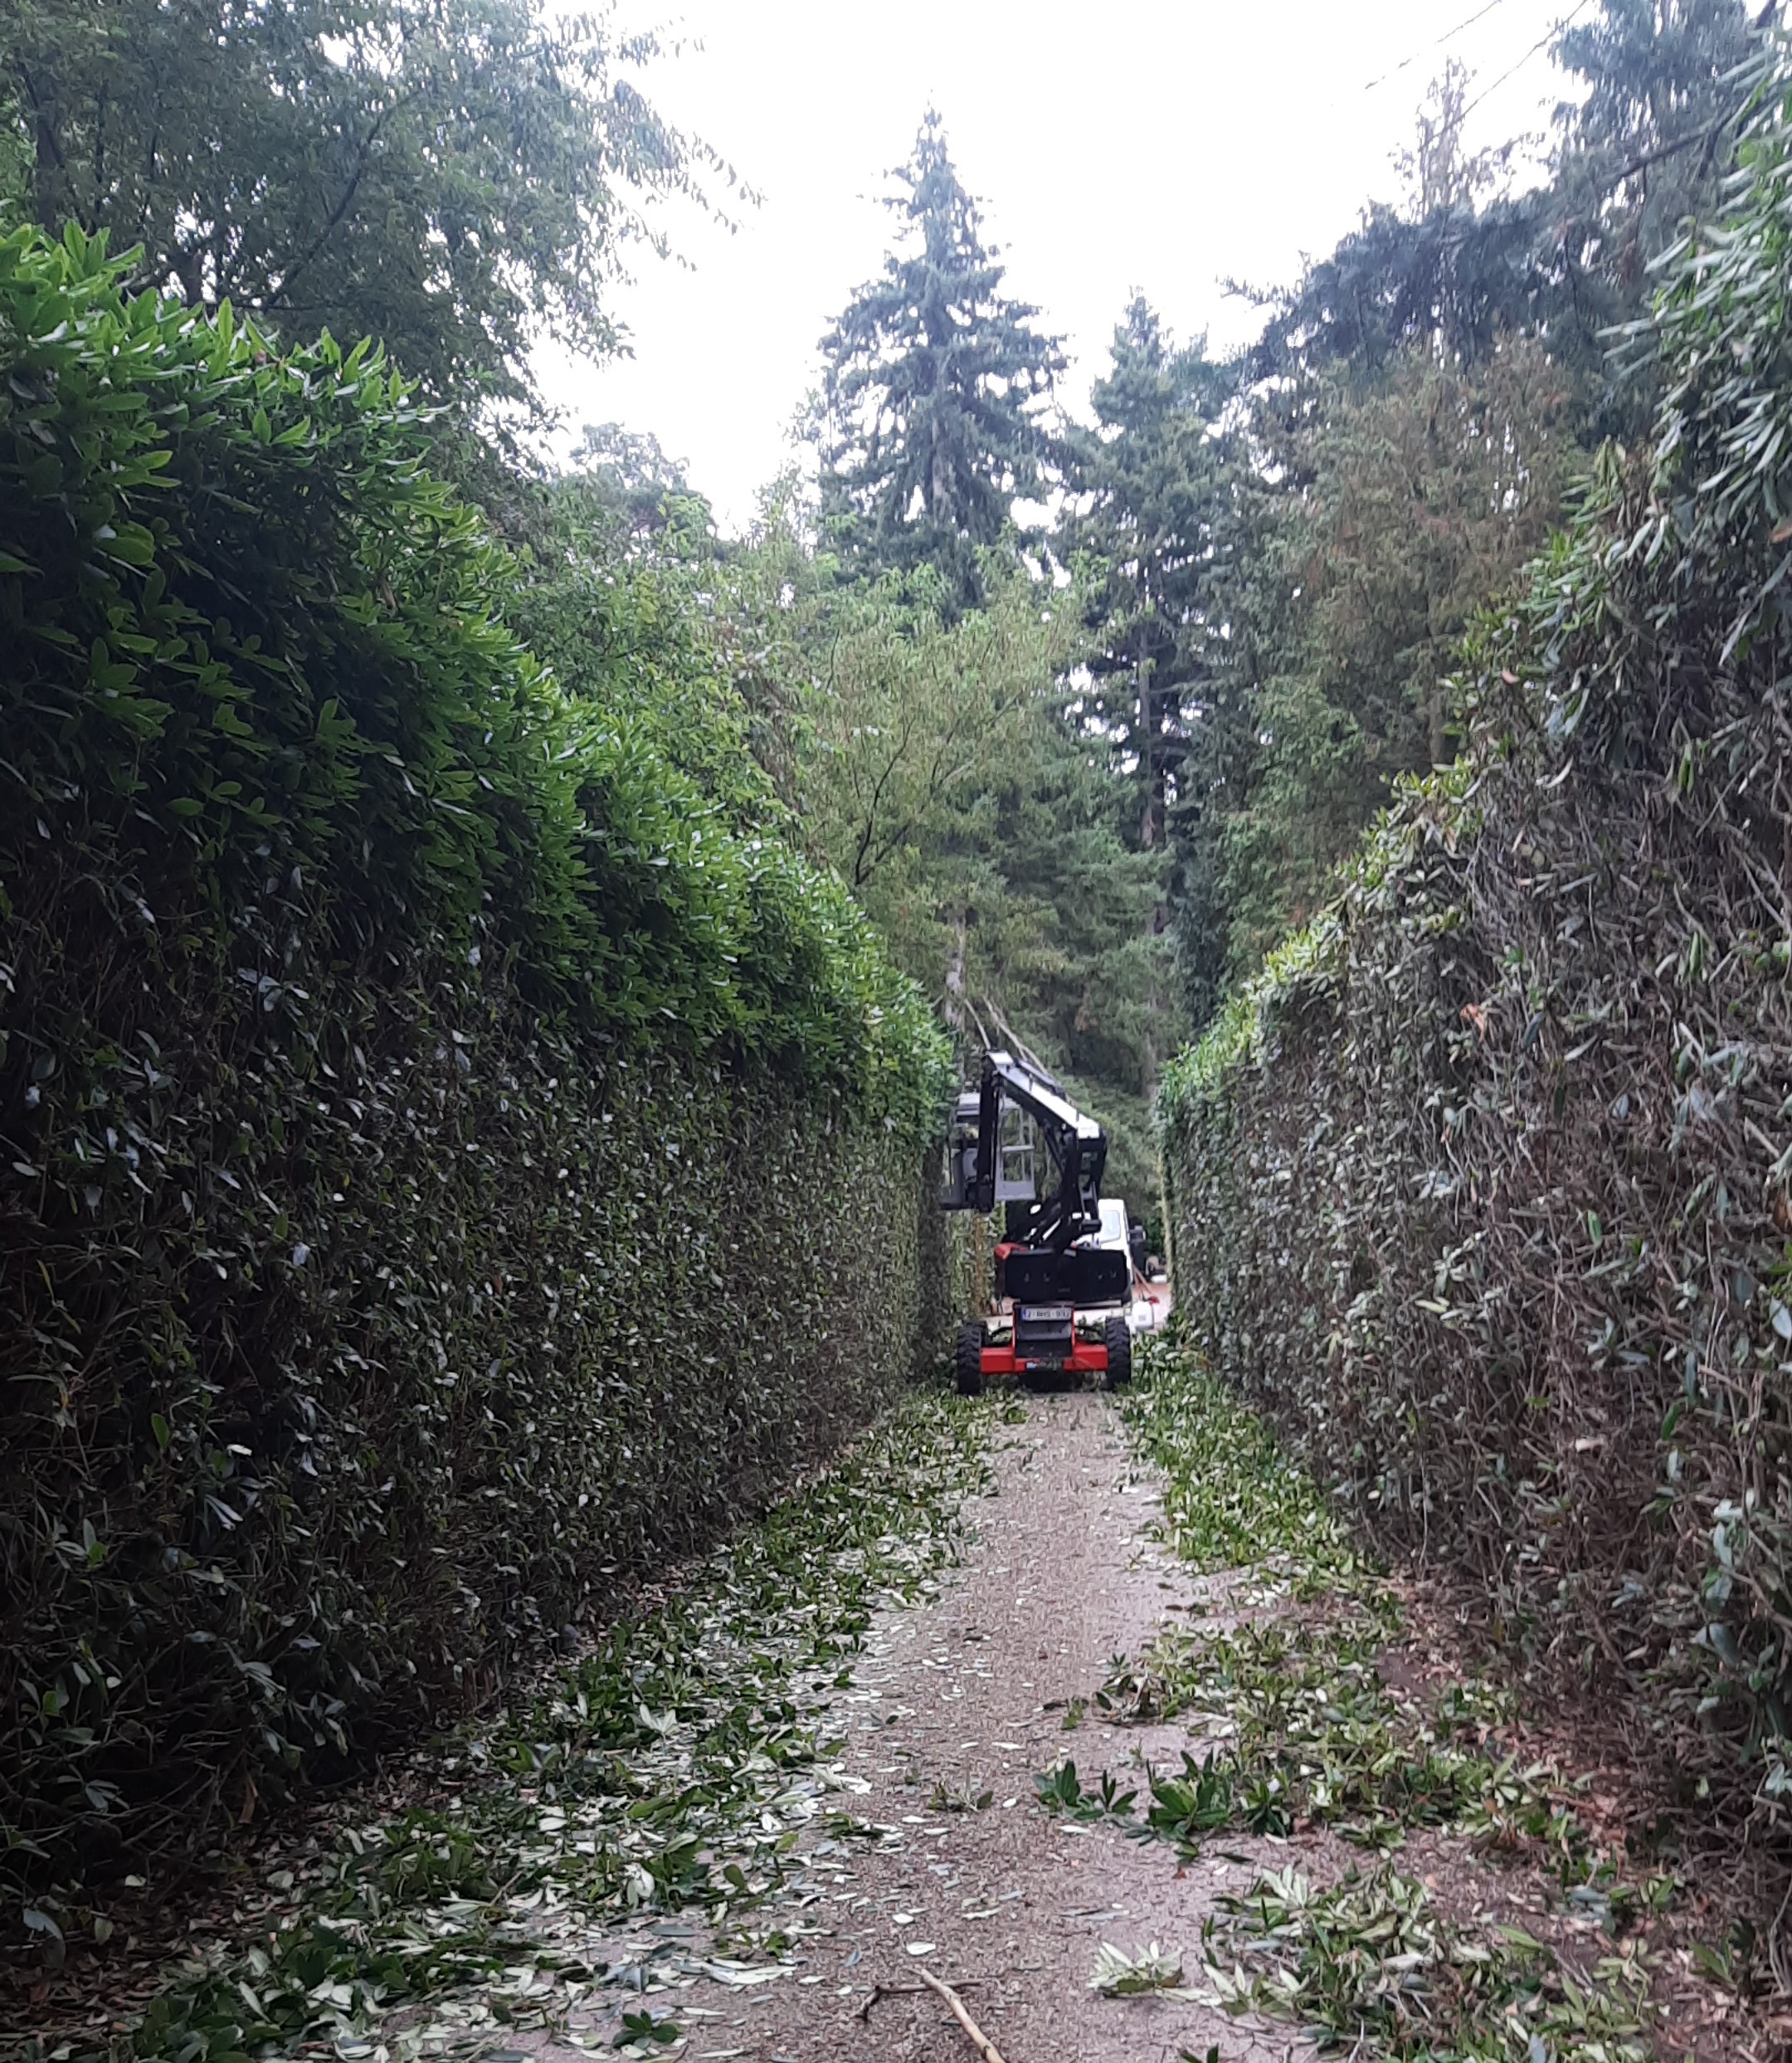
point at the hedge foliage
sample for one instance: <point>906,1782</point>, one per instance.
<point>451,1158</point>
<point>1484,1188</point>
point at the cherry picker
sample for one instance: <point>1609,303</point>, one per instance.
<point>1049,1274</point>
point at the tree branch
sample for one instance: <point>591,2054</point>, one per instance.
<point>335,218</point>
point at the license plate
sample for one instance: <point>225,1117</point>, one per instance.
<point>1047,1314</point>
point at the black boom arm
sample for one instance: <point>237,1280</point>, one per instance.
<point>1077,1144</point>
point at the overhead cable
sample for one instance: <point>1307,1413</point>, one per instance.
<point>1449,36</point>
<point>1542,43</point>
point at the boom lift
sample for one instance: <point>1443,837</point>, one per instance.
<point>1044,1276</point>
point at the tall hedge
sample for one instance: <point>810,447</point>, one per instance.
<point>1485,1187</point>
<point>450,1161</point>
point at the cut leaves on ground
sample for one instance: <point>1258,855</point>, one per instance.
<point>672,1765</point>
<point>1307,1730</point>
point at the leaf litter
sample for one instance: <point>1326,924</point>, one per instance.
<point>1300,1732</point>
<point>672,1767</point>
<point>675,1767</point>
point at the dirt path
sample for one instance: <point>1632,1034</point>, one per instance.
<point>954,1706</point>
<point>870,1810</point>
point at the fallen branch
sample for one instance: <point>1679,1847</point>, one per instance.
<point>985,2047</point>
<point>899,1991</point>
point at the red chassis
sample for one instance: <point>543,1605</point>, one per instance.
<point>1087,1356</point>
<point>1075,1357</point>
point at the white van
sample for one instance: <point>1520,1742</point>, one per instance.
<point>1115,1235</point>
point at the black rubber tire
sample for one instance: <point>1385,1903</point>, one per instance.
<point>1119,1343</point>
<point>968,1363</point>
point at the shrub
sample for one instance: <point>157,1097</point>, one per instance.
<point>1484,1188</point>
<point>450,1161</point>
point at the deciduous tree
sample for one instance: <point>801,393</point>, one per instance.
<point>452,176</point>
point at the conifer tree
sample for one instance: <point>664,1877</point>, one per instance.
<point>931,417</point>
<point>1149,505</point>
<point>1644,148</point>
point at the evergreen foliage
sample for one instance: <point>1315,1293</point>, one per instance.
<point>930,423</point>
<point>453,1150</point>
<point>964,758</point>
<point>1480,1187</point>
<point>1425,497</point>
<point>1151,492</point>
<point>1645,149</point>
<point>449,996</point>
<point>1407,427</point>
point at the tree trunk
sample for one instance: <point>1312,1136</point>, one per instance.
<point>939,478</point>
<point>49,171</point>
<point>1150,808</point>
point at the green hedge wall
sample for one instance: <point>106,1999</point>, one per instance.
<point>448,1160</point>
<point>1484,1188</point>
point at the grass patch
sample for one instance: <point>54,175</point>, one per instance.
<point>674,1766</point>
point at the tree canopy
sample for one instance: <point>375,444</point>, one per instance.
<point>1406,429</point>
<point>932,420</point>
<point>1148,508</point>
<point>453,177</point>
<point>1082,707</point>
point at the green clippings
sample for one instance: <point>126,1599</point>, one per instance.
<point>643,2028</point>
<point>1118,1975</point>
<point>1235,1499</point>
<point>1301,1727</point>
<point>1060,1788</point>
<point>1372,1963</point>
<point>964,1797</point>
<point>1297,1727</point>
<point>1736,1961</point>
<point>675,1765</point>
<point>1060,1791</point>
<point>1199,1801</point>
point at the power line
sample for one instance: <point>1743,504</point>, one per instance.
<point>1542,42</point>
<point>1448,35</point>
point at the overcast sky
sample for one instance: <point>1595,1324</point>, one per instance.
<point>1146,143</point>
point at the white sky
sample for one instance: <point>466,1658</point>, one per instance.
<point>1145,143</point>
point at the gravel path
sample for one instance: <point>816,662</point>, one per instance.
<point>954,1706</point>
<point>915,1840</point>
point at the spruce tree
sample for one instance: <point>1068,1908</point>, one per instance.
<point>1149,492</point>
<point>931,420</point>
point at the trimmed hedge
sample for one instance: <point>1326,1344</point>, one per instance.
<point>1484,1188</point>
<point>448,1161</point>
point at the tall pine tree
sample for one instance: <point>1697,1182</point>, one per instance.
<point>931,423</point>
<point>1149,492</point>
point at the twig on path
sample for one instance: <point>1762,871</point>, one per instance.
<point>981,2042</point>
<point>899,1991</point>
